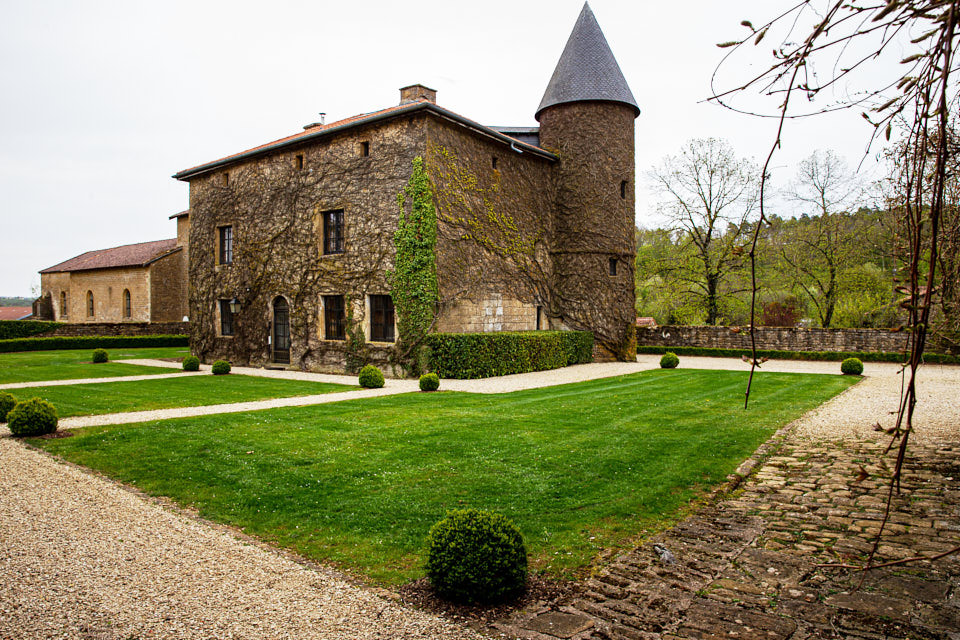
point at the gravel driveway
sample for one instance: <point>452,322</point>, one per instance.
<point>82,557</point>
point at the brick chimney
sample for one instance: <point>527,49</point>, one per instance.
<point>417,92</point>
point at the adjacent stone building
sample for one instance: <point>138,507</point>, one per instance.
<point>135,283</point>
<point>291,241</point>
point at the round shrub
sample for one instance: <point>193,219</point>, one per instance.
<point>100,355</point>
<point>220,368</point>
<point>669,361</point>
<point>371,377</point>
<point>33,417</point>
<point>851,367</point>
<point>476,556</point>
<point>7,402</point>
<point>429,382</point>
<point>192,363</point>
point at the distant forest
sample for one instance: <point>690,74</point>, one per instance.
<point>13,301</point>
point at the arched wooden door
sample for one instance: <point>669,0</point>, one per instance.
<point>281,330</point>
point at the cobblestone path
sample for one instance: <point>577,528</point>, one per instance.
<point>746,566</point>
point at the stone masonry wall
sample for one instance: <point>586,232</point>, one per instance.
<point>493,313</point>
<point>167,276</point>
<point>107,286</point>
<point>779,338</point>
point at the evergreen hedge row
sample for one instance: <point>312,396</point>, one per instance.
<point>865,356</point>
<point>93,342</point>
<point>482,355</point>
<point>13,329</point>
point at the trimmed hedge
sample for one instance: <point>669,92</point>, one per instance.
<point>429,382</point>
<point>482,355</point>
<point>191,363</point>
<point>476,556</point>
<point>100,356</point>
<point>851,367</point>
<point>33,417</point>
<point>7,402</point>
<point>220,368</point>
<point>865,356</point>
<point>370,377</point>
<point>669,360</point>
<point>93,342</point>
<point>12,329</point>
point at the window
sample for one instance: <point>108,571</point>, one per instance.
<point>493,162</point>
<point>89,304</point>
<point>539,318</point>
<point>298,162</point>
<point>224,178</point>
<point>226,318</point>
<point>333,231</point>
<point>613,266</point>
<point>364,149</point>
<point>623,189</point>
<point>381,319</point>
<point>126,304</point>
<point>63,304</point>
<point>226,245</point>
<point>335,319</point>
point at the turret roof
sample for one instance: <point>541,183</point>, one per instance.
<point>587,69</point>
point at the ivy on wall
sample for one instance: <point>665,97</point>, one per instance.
<point>413,279</point>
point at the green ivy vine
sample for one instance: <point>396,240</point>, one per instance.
<point>413,280</point>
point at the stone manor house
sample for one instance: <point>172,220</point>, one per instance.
<point>291,241</point>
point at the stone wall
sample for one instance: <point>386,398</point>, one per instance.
<point>495,312</point>
<point>778,338</point>
<point>119,329</point>
<point>167,278</point>
<point>106,286</point>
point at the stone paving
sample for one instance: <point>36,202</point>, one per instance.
<point>746,565</point>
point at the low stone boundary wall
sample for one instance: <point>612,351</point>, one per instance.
<point>774,338</point>
<point>118,329</point>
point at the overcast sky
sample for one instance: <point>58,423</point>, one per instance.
<point>104,100</point>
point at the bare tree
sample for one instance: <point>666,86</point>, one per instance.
<point>709,195</point>
<point>833,44</point>
<point>819,255</point>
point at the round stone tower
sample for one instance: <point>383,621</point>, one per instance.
<point>587,118</point>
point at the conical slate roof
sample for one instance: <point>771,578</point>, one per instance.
<point>587,69</point>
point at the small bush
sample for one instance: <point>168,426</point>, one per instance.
<point>191,363</point>
<point>7,402</point>
<point>429,382</point>
<point>371,377</point>
<point>100,356</point>
<point>33,417</point>
<point>669,360</point>
<point>476,556</point>
<point>851,367</point>
<point>220,368</point>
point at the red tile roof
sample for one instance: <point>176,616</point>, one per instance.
<point>130,255</point>
<point>15,313</point>
<point>313,131</point>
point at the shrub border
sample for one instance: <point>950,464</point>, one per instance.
<point>499,353</point>
<point>865,356</point>
<point>92,342</point>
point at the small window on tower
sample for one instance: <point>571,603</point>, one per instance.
<point>364,149</point>
<point>623,189</point>
<point>613,266</point>
<point>493,162</point>
<point>225,178</point>
<point>298,162</point>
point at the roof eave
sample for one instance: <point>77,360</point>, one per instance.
<point>429,107</point>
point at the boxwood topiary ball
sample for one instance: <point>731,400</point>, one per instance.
<point>669,361</point>
<point>429,382</point>
<point>371,377</point>
<point>7,402</point>
<point>100,355</point>
<point>476,556</point>
<point>220,368</point>
<point>851,367</point>
<point>34,417</point>
<point>191,363</point>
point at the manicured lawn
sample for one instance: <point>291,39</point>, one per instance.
<point>577,467</point>
<point>29,366</point>
<point>188,391</point>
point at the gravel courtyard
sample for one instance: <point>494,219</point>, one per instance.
<point>83,557</point>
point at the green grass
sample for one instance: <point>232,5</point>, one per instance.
<point>577,467</point>
<point>167,393</point>
<point>30,366</point>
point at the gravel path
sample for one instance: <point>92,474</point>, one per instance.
<point>84,558</point>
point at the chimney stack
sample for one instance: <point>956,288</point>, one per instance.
<point>416,92</point>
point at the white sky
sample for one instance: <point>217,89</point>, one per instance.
<point>103,100</point>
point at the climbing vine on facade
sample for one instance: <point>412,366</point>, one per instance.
<point>413,279</point>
